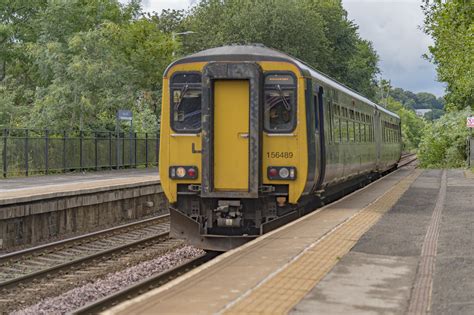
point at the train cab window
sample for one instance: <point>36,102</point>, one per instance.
<point>280,103</point>
<point>186,102</point>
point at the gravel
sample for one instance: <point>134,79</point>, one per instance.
<point>90,292</point>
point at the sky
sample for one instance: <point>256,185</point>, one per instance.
<point>393,26</point>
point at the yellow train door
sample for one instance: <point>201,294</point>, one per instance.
<point>231,135</point>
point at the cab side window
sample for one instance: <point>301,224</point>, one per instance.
<point>279,113</point>
<point>185,102</point>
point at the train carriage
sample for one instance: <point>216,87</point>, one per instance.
<point>250,135</point>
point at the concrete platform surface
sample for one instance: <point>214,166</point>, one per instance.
<point>382,273</point>
<point>16,190</point>
<point>271,274</point>
<point>402,245</point>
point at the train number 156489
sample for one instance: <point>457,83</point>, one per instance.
<point>280,155</point>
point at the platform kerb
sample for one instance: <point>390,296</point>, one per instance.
<point>226,283</point>
<point>32,215</point>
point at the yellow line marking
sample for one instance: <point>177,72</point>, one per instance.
<point>283,290</point>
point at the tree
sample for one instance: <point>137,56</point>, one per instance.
<point>353,60</point>
<point>412,125</point>
<point>317,32</point>
<point>75,72</point>
<point>444,142</point>
<point>99,72</point>
<point>451,25</point>
<point>420,100</point>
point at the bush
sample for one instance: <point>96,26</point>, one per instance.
<point>443,144</point>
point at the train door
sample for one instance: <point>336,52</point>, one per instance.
<point>322,133</point>
<point>231,135</point>
<point>231,130</point>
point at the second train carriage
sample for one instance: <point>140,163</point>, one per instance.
<point>250,134</point>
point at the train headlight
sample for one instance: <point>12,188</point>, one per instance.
<point>284,172</point>
<point>183,172</point>
<point>180,172</point>
<point>281,172</point>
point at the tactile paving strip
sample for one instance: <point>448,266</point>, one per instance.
<point>281,292</point>
<point>420,301</point>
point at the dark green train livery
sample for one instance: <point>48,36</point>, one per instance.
<point>352,135</point>
<point>252,138</point>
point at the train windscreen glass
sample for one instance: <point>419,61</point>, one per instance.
<point>280,103</point>
<point>186,102</point>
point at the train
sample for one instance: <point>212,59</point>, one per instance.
<point>250,137</point>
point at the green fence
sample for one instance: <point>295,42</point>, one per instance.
<point>26,152</point>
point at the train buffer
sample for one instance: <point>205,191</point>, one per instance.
<point>403,244</point>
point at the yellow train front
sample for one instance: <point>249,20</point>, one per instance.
<point>247,138</point>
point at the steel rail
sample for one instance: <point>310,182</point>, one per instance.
<point>52,245</point>
<point>56,268</point>
<point>143,286</point>
<point>103,253</point>
<point>407,159</point>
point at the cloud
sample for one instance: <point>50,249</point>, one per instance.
<point>394,29</point>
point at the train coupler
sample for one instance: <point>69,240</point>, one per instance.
<point>229,213</point>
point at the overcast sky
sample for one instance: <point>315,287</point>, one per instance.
<point>393,28</point>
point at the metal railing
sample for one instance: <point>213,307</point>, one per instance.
<point>25,152</point>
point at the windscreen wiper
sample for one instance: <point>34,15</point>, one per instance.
<point>183,93</point>
<point>282,97</point>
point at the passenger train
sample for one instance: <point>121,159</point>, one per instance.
<point>251,136</point>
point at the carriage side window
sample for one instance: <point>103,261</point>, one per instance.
<point>186,102</point>
<point>372,138</point>
<point>357,132</point>
<point>337,124</point>
<point>345,131</point>
<point>351,131</point>
<point>370,128</point>
<point>364,139</point>
<point>331,122</point>
<point>279,113</point>
<point>383,131</point>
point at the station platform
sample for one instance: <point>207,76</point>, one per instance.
<point>403,244</point>
<point>39,209</point>
<point>14,190</point>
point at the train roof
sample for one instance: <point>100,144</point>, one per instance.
<point>261,53</point>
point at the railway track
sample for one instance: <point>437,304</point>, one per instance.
<point>41,261</point>
<point>160,279</point>
<point>407,159</point>
<point>143,286</point>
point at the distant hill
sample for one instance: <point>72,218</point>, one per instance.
<point>422,100</point>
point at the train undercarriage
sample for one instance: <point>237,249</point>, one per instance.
<point>223,224</point>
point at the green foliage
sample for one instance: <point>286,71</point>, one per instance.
<point>444,142</point>
<point>70,64</point>
<point>420,100</point>
<point>434,114</point>
<point>82,60</point>
<point>412,125</point>
<point>451,24</point>
<point>316,31</point>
